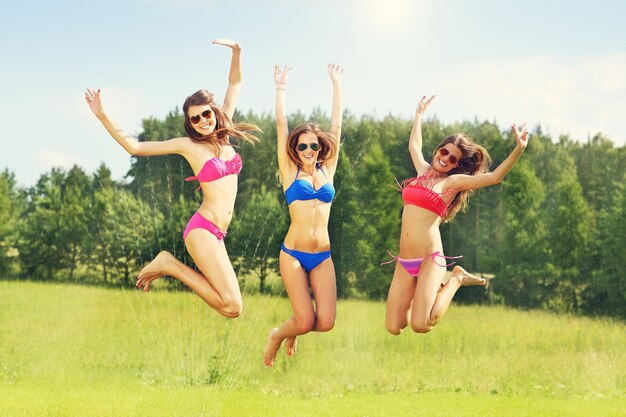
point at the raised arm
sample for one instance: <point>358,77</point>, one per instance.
<point>415,140</point>
<point>282,129</point>
<point>473,182</point>
<point>335,72</point>
<point>234,76</point>
<point>132,146</point>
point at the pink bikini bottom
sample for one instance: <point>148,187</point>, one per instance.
<point>197,221</point>
<point>412,266</point>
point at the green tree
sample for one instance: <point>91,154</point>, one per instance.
<point>599,168</point>
<point>256,234</point>
<point>571,231</point>
<point>521,251</point>
<point>160,179</point>
<point>343,226</point>
<point>53,235</point>
<point>377,224</point>
<point>40,242</point>
<point>607,295</point>
<point>124,235</point>
<point>73,219</point>
<point>11,206</point>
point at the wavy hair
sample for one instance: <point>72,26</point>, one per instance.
<point>224,127</point>
<point>327,141</point>
<point>475,161</point>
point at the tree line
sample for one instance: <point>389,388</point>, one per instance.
<point>552,233</point>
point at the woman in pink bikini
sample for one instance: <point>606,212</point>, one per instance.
<point>208,150</point>
<point>459,166</point>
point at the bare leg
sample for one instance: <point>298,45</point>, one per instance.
<point>427,293</point>
<point>291,345</point>
<point>459,278</point>
<point>399,300</point>
<point>303,320</point>
<point>324,287</point>
<point>468,279</point>
<point>216,283</point>
<point>441,296</point>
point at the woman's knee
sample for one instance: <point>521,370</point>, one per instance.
<point>231,306</point>
<point>395,323</point>
<point>421,326</point>
<point>393,328</point>
<point>304,324</point>
<point>324,324</point>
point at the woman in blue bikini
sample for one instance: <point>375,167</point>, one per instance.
<point>459,166</point>
<point>307,160</point>
<point>208,150</point>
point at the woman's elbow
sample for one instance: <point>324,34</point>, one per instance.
<point>495,180</point>
<point>134,150</point>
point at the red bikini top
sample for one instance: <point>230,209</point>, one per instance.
<point>216,168</point>
<point>418,191</point>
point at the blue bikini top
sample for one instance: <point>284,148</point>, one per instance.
<point>303,190</point>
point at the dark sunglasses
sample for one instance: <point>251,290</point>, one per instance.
<point>196,119</point>
<point>453,159</point>
<point>314,147</point>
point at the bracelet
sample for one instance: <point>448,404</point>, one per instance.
<point>282,89</point>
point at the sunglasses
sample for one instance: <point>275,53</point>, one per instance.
<point>453,159</point>
<point>314,147</point>
<point>196,119</point>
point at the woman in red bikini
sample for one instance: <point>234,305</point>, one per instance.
<point>208,150</point>
<point>459,166</point>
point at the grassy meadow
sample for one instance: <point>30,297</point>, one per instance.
<point>82,351</point>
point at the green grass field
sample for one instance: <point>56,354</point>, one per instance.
<point>81,351</point>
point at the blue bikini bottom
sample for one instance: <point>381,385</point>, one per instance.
<point>309,261</point>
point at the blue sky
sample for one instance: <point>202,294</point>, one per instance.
<point>561,64</point>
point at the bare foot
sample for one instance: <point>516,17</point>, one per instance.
<point>291,344</point>
<point>467,278</point>
<point>271,347</point>
<point>154,270</point>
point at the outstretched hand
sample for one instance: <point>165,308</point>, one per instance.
<point>93,100</point>
<point>227,42</point>
<point>335,72</point>
<point>280,75</point>
<point>521,135</point>
<point>423,105</point>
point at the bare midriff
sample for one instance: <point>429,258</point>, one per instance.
<point>420,234</point>
<point>218,200</point>
<point>308,231</point>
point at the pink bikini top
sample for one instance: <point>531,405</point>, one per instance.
<point>216,168</point>
<point>419,192</point>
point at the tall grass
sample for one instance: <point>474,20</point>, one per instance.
<point>59,340</point>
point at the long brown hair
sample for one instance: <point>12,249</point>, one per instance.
<point>224,127</point>
<point>475,161</point>
<point>327,141</point>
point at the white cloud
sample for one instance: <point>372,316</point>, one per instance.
<point>48,159</point>
<point>125,106</point>
<point>579,96</point>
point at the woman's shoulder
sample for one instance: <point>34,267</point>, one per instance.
<point>327,169</point>
<point>183,142</point>
<point>424,171</point>
<point>289,172</point>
